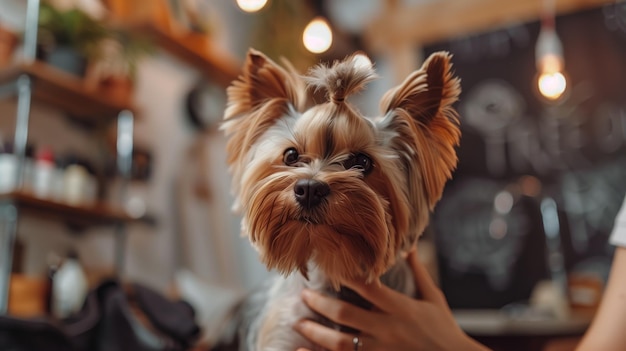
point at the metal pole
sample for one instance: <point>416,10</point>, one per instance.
<point>125,123</point>
<point>8,231</point>
<point>8,211</point>
<point>552,232</point>
<point>30,31</point>
<point>24,92</point>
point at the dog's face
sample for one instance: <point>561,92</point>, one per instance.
<point>325,184</point>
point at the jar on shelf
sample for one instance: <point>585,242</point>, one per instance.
<point>74,183</point>
<point>79,183</point>
<point>8,169</point>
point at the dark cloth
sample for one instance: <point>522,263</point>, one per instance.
<point>107,322</point>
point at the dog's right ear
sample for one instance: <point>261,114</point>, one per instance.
<point>262,94</point>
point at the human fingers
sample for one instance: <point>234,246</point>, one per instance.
<point>327,338</point>
<point>425,284</point>
<point>341,312</point>
<point>382,296</point>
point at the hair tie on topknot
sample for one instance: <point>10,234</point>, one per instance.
<point>342,78</point>
<point>337,99</point>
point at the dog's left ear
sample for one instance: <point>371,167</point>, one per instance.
<point>423,128</point>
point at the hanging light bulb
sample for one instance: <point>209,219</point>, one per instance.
<point>549,56</point>
<point>317,36</point>
<point>551,79</point>
<point>251,5</point>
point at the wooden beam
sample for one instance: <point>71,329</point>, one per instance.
<point>440,20</point>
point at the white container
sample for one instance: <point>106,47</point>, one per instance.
<point>8,173</point>
<point>43,179</point>
<point>43,173</point>
<point>69,288</point>
<point>75,183</point>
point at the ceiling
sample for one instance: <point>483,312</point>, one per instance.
<point>376,24</point>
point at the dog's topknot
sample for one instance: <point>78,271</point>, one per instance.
<point>342,78</point>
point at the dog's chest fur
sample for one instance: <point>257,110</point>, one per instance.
<point>264,320</point>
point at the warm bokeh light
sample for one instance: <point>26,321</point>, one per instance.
<point>550,63</point>
<point>503,202</point>
<point>251,5</point>
<point>552,85</point>
<point>317,36</point>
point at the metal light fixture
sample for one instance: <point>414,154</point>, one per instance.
<point>551,80</point>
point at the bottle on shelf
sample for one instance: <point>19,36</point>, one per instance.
<point>69,287</point>
<point>44,173</point>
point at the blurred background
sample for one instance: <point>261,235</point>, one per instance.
<point>112,170</point>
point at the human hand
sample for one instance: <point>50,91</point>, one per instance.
<point>396,322</point>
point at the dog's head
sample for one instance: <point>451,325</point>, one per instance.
<point>327,185</point>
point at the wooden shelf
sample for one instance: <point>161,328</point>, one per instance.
<point>66,92</point>
<point>83,215</point>
<point>196,50</point>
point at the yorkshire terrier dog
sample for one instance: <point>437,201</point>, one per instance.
<point>327,194</point>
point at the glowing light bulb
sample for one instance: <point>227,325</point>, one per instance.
<point>251,5</point>
<point>552,85</point>
<point>317,36</point>
<point>549,55</point>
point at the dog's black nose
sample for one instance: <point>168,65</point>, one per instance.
<point>310,192</point>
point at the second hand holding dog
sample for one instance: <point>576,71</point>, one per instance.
<point>397,321</point>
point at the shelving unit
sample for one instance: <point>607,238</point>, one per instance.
<point>83,215</point>
<point>213,63</point>
<point>65,91</point>
<point>36,80</point>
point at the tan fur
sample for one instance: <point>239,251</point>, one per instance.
<point>368,219</point>
<point>263,93</point>
<point>343,77</point>
<point>427,97</point>
<point>429,131</point>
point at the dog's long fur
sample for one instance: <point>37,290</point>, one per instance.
<point>380,178</point>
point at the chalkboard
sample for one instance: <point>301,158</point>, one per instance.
<point>529,168</point>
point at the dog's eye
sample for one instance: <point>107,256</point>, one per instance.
<point>290,156</point>
<point>359,161</point>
